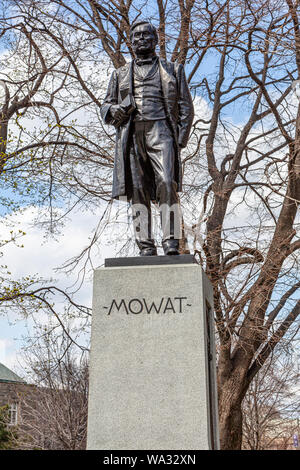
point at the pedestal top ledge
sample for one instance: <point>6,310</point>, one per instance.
<point>149,260</point>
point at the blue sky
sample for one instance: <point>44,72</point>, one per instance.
<point>42,256</point>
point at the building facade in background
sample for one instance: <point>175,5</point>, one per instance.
<point>50,417</point>
<point>12,389</point>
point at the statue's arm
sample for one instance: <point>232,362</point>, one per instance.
<point>185,108</point>
<point>110,99</point>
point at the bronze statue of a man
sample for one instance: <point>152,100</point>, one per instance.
<point>149,103</point>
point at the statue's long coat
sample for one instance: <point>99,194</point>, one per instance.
<point>179,111</point>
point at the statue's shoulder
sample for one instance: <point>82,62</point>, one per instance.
<point>171,67</point>
<point>123,70</point>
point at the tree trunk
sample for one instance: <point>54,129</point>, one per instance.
<point>230,413</point>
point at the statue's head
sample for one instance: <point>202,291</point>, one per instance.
<point>143,37</point>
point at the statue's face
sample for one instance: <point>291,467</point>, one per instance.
<point>143,40</point>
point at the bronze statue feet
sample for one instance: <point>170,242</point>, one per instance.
<point>148,251</point>
<point>171,247</point>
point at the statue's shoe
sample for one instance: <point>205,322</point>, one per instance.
<point>171,252</point>
<point>171,247</point>
<point>148,251</point>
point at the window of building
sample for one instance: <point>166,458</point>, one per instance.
<point>13,414</point>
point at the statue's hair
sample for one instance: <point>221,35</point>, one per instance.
<point>138,23</point>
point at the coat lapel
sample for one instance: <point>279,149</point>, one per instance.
<point>168,82</point>
<point>126,80</point>
<point>169,88</point>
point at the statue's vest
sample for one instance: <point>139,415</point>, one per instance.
<point>148,95</point>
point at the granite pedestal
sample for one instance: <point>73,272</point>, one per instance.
<point>152,366</point>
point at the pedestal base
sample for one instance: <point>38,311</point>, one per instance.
<point>152,367</point>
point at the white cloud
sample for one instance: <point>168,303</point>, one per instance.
<point>8,353</point>
<point>41,256</point>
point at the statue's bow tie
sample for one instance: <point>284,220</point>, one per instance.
<point>145,61</point>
